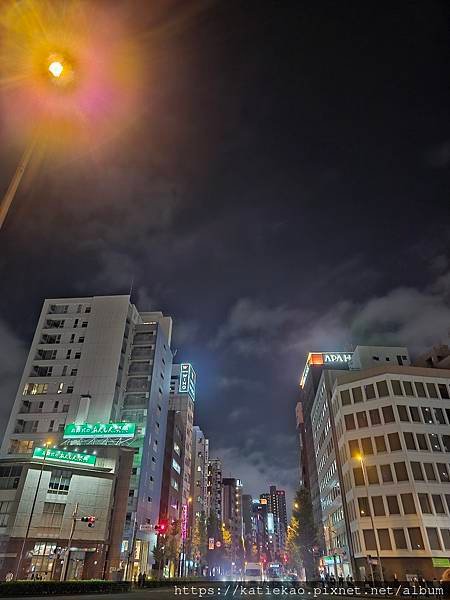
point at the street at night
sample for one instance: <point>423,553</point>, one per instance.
<point>225,307</point>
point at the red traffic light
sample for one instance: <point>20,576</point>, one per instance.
<point>90,520</point>
<point>161,527</point>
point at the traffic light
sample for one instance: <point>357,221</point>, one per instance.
<point>90,520</point>
<point>161,527</point>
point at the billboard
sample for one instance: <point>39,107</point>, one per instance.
<point>99,430</point>
<point>186,384</point>
<point>329,360</point>
<point>64,456</point>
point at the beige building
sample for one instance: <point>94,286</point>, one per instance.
<point>42,502</point>
<point>98,360</point>
<point>385,493</point>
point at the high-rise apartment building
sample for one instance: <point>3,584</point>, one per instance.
<point>382,446</point>
<point>276,505</point>
<point>181,400</point>
<point>232,516</point>
<point>172,482</point>
<point>214,490</point>
<point>95,363</point>
<point>199,475</point>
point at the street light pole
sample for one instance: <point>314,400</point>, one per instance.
<point>361,459</point>
<point>15,181</point>
<point>19,562</point>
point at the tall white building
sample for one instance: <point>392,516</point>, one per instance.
<point>98,360</point>
<point>199,476</point>
<point>382,448</point>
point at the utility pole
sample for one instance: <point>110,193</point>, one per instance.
<point>130,560</point>
<point>15,181</point>
<point>67,554</point>
<point>361,459</point>
<point>19,562</point>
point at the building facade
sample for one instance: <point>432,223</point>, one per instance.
<point>382,445</point>
<point>214,490</point>
<point>181,400</point>
<point>276,504</point>
<point>232,518</point>
<point>93,361</point>
<point>199,475</point>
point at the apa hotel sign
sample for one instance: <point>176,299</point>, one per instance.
<point>334,360</point>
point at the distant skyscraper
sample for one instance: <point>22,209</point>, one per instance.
<point>247,519</point>
<point>214,490</point>
<point>232,515</point>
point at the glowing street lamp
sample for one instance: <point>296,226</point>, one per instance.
<point>56,68</point>
<point>70,79</point>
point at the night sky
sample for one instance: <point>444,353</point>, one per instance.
<point>283,187</point>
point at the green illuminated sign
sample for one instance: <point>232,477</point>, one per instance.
<point>441,562</point>
<point>100,430</point>
<point>65,456</point>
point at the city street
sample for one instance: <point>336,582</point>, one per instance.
<point>225,308</point>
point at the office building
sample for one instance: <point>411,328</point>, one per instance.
<point>276,505</point>
<point>248,525</point>
<point>97,364</point>
<point>172,481</point>
<point>181,400</point>
<point>199,475</point>
<point>316,363</point>
<point>214,490</point>
<point>382,445</point>
<point>232,516</point>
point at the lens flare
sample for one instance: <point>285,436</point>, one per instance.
<point>56,68</point>
<point>68,71</point>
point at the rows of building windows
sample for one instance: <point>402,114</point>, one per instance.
<point>409,538</point>
<point>64,324</point>
<point>406,414</point>
<point>56,338</point>
<point>328,476</point>
<point>330,497</point>
<point>64,354</point>
<point>374,474</point>
<point>380,389</point>
<point>391,442</point>
<point>59,371</point>
<point>22,426</point>
<point>389,505</point>
<point>63,309</point>
<point>326,454</point>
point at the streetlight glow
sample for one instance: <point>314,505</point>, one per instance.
<point>56,68</point>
